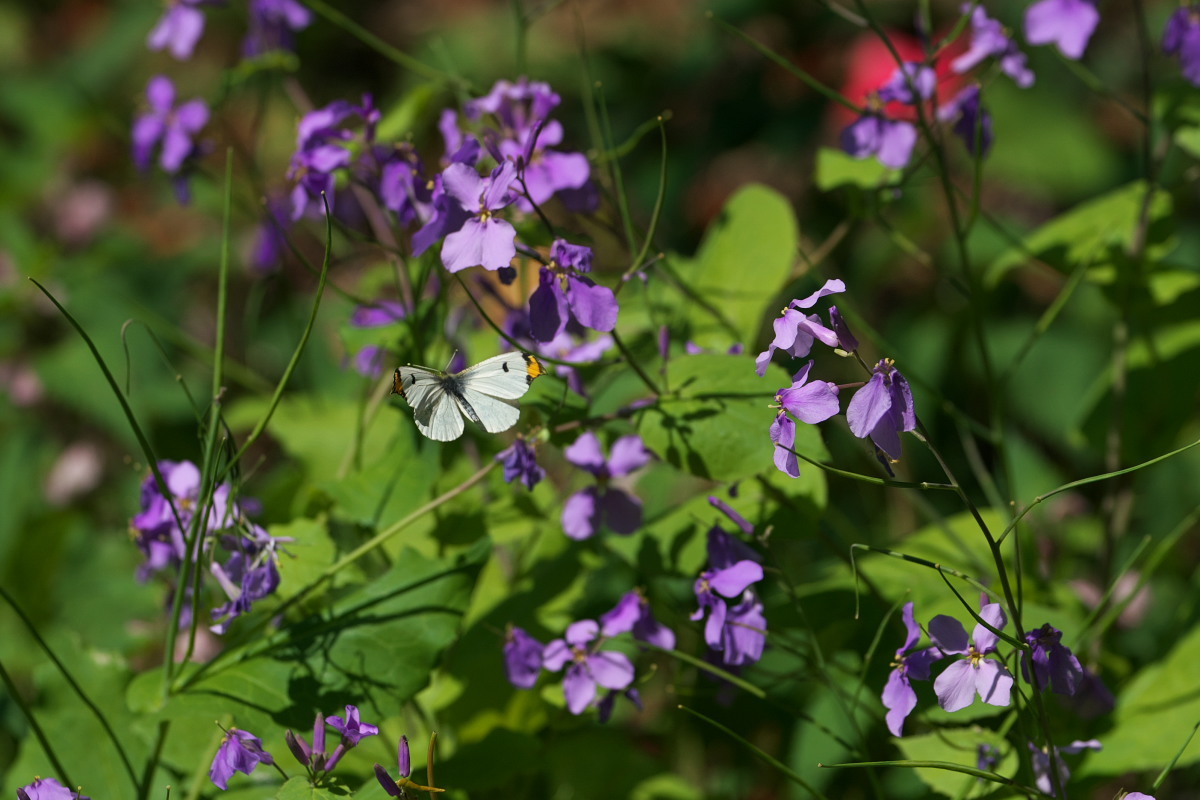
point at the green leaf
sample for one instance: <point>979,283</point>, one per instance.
<point>392,631</point>
<point>1096,232</point>
<point>716,423</point>
<point>301,789</point>
<point>1161,698</point>
<point>960,748</point>
<point>835,168</point>
<point>755,235</point>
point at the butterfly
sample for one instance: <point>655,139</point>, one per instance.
<point>486,393</point>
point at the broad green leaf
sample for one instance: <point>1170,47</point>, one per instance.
<point>744,261</point>
<point>1087,233</point>
<point>716,423</point>
<point>1162,698</point>
<point>306,556</point>
<point>836,168</point>
<point>392,630</point>
<point>300,789</point>
<point>76,735</point>
<point>961,746</point>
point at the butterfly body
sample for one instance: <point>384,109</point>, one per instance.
<point>486,394</point>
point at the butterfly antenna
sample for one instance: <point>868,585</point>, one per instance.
<point>451,361</point>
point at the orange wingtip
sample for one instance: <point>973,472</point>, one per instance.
<point>533,367</point>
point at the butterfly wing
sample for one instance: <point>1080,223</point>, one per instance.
<point>506,376</point>
<point>434,410</point>
<point>495,414</point>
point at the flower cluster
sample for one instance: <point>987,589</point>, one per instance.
<point>975,674</point>
<point>882,409</point>
<point>1067,24</point>
<point>736,632</point>
<point>173,128</point>
<point>589,665</point>
<point>313,757</point>
<point>604,506</point>
<point>250,571</point>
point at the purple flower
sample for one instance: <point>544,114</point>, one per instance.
<point>1182,37</point>
<point>522,658</point>
<point>972,122</point>
<point>910,74</point>
<point>795,332</point>
<point>988,38</point>
<point>47,789</point>
<point>250,574</point>
<point>1055,666</point>
<point>974,674</point>
<point>173,127</point>
<point>632,613</point>
<point>587,511</point>
<point>402,186</point>
<point>1065,23</point>
<point>987,756</point>
<point>725,578</point>
<point>589,666</point>
<point>351,728</point>
<point>370,361</point>
<point>883,408</point>
<point>520,463</point>
<point>518,107</point>
<point>783,436</point>
<point>889,140</point>
<point>562,286</point>
<point>846,340</point>
<point>378,314</point>
<point>1137,796</point>
<point>273,24</point>
<point>744,633</point>
<point>484,239</point>
<point>239,752</point>
<point>270,240</point>
<point>1040,762</point>
<point>179,28</point>
<point>1092,698</point>
<point>321,142</point>
<point>809,402</point>
<point>899,698</point>
<point>160,533</point>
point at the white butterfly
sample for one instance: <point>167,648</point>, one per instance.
<point>486,393</point>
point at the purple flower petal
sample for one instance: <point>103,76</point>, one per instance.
<point>1068,24</point>
<point>547,308</point>
<point>783,435</point>
<point>556,654</point>
<point>580,633</point>
<point>611,669</point>
<point>734,580</point>
<point>985,640</point>
<point>955,687</point>
<point>992,681</point>
<point>899,699</point>
<point>868,406</point>
<point>628,454</point>
<point>579,688</point>
<point>587,453</point>
<point>620,511</point>
<point>594,306</point>
<point>949,635</point>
